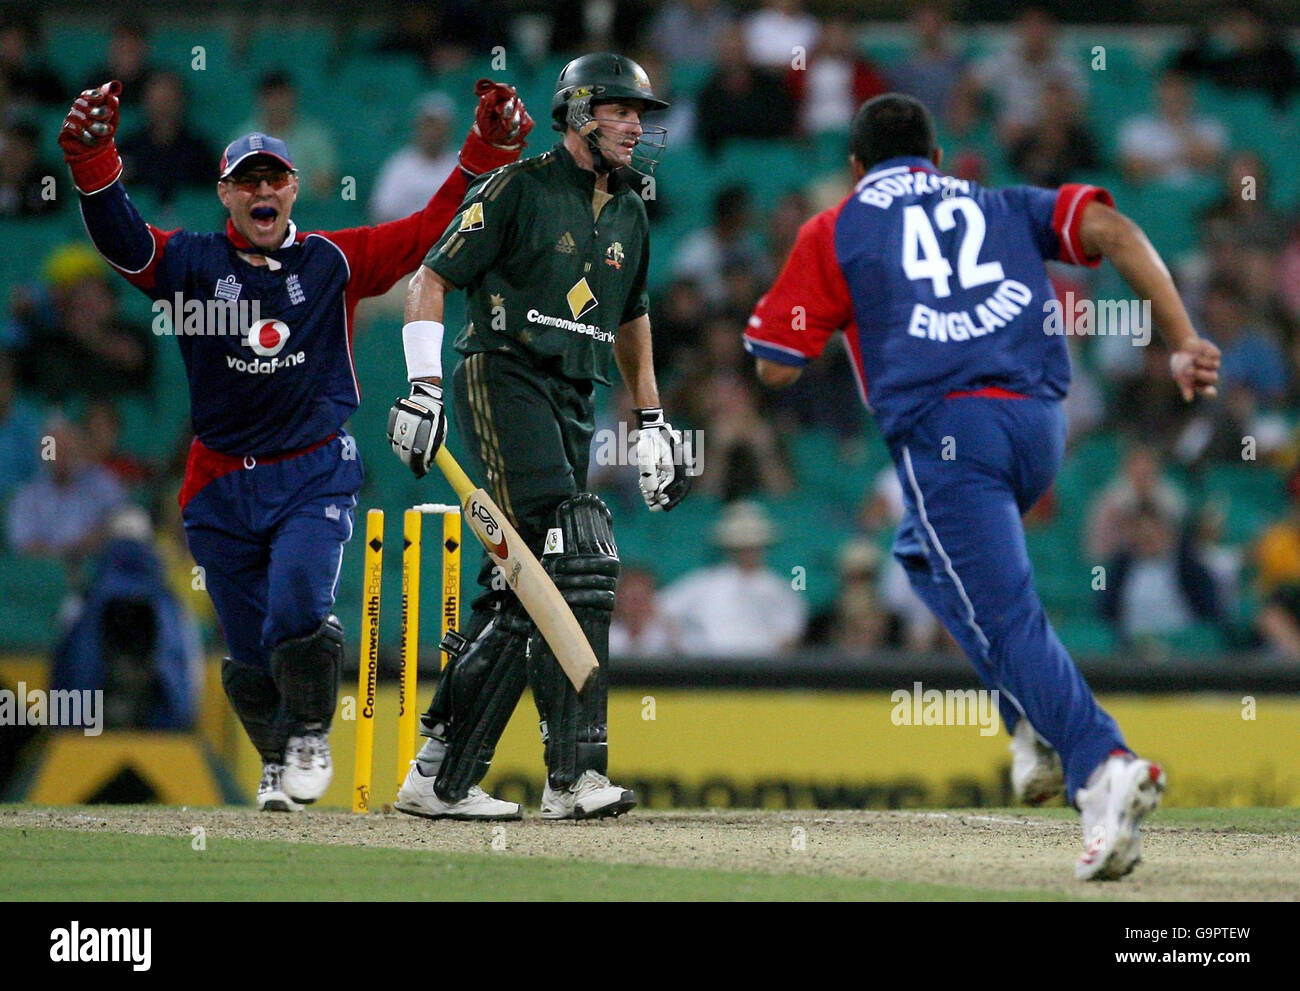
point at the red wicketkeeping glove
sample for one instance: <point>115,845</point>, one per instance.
<point>87,138</point>
<point>501,125</point>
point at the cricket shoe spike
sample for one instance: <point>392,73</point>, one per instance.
<point>592,796</point>
<point>1036,773</point>
<point>1120,794</point>
<point>271,796</point>
<point>308,766</point>
<point>416,797</point>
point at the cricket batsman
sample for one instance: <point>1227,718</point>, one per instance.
<point>940,287</point>
<point>272,476</point>
<point>552,252</point>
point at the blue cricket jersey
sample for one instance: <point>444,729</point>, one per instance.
<point>285,381</point>
<point>939,285</point>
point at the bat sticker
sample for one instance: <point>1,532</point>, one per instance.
<point>491,529</point>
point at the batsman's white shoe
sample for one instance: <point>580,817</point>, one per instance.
<point>308,766</point>
<point>1120,794</point>
<point>592,796</point>
<point>271,796</point>
<point>416,797</point>
<point>1036,773</point>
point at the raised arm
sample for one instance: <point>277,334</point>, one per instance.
<point>116,228</point>
<point>1194,361</point>
<point>380,255</point>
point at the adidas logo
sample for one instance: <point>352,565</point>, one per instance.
<point>565,245</point>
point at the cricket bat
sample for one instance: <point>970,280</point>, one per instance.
<point>523,573</point>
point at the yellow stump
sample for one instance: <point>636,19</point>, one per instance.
<point>407,683</point>
<point>369,666</point>
<point>450,575</point>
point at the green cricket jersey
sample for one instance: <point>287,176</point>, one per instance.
<point>552,266</point>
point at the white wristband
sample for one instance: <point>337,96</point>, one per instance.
<point>422,341</point>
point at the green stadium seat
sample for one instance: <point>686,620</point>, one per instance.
<point>28,243</point>
<point>1085,637</point>
<point>688,78</point>
<point>31,592</point>
<point>194,209</point>
<point>174,49</point>
<point>308,54</point>
<point>769,168</point>
<point>819,463</point>
<point>1168,213</point>
<point>333,214</point>
<point>1201,640</point>
<point>151,427</point>
<point>1254,494</point>
<point>74,49</point>
<point>172,384</point>
<point>831,149</point>
<point>684,185</point>
<point>886,53</point>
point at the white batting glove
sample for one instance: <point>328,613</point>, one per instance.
<point>417,427</point>
<point>663,482</point>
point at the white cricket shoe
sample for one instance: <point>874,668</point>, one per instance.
<point>271,796</point>
<point>1036,773</point>
<point>592,796</point>
<point>1120,794</point>
<point>416,797</point>
<point>308,767</point>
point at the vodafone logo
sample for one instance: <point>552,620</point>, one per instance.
<point>267,337</point>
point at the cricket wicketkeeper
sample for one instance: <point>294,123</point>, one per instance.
<point>272,476</point>
<point>553,253</point>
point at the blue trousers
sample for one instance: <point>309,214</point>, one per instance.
<point>969,469</point>
<point>270,542</point>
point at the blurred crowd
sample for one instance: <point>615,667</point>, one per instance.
<point>71,363</point>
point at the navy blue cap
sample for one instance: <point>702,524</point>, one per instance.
<point>242,149</point>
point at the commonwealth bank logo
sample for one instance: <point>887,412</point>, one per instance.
<point>472,218</point>
<point>580,298</point>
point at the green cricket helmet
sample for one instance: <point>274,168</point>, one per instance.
<point>605,77</point>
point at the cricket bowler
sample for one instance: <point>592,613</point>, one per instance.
<point>552,252</point>
<point>941,290</point>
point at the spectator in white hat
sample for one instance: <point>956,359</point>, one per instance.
<point>739,607</point>
<point>412,174</point>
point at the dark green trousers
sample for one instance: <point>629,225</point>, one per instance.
<point>525,436</point>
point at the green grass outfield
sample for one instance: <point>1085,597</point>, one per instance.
<point>147,853</point>
<point>63,865</point>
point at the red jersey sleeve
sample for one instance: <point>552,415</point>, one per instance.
<point>1068,215</point>
<point>808,302</point>
<point>380,255</point>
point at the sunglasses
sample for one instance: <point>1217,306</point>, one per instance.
<point>251,182</point>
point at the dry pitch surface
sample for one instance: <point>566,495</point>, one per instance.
<point>1189,855</point>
